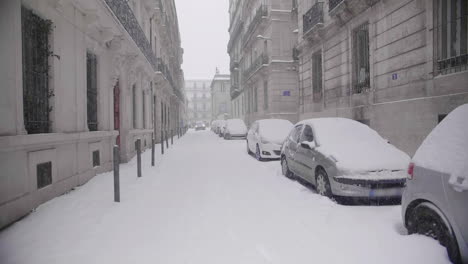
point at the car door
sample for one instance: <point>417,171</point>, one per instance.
<point>292,149</point>
<point>457,200</point>
<point>305,156</point>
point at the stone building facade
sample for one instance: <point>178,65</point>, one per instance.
<point>79,77</point>
<point>198,94</point>
<point>264,82</point>
<point>220,96</point>
<point>399,66</point>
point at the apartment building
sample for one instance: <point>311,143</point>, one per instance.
<point>220,96</point>
<point>398,66</point>
<point>264,80</point>
<point>198,101</point>
<point>79,77</point>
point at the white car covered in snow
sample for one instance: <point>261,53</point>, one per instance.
<point>344,158</point>
<point>435,201</point>
<point>234,128</point>
<point>266,137</point>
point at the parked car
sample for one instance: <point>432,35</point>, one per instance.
<point>344,158</point>
<point>213,125</point>
<point>200,126</point>
<point>435,201</point>
<point>234,128</point>
<point>265,138</point>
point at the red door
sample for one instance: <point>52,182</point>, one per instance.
<point>117,111</point>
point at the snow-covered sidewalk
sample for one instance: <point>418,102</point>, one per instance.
<point>208,202</point>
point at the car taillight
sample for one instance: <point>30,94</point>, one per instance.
<point>411,171</point>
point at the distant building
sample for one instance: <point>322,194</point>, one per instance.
<point>220,96</point>
<point>264,80</point>
<point>198,94</point>
<point>398,66</point>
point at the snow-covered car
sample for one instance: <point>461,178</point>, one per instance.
<point>200,126</point>
<point>435,201</point>
<point>234,128</point>
<point>213,125</point>
<point>266,136</point>
<point>344,158</point>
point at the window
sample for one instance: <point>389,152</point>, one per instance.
<point>96,159</point>
<point>265,95</point>
<point>144,108</point>
<point>91,90</point>
<point>36,93</point>
<point>44,174</point>
<point>296,133</point>
<point>134,110</point>
<point>307,134</point>
<point>255,108</point>
<point>317,76</point>
<point>361,68</point>
<point>451,31</point>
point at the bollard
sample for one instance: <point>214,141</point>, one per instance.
<point>116,174</point>
<point>167,141</point>
<point>152,150</point>
<point>138,149</point>
<point>162,142</point>
<point>172,137</point>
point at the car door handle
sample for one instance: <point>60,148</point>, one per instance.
<point>459,184</point>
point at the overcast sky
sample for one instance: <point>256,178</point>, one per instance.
<point>204,31</point>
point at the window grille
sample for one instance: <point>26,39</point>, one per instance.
<point>317,76</point>
<point>265,95</point>
<point>361,67</point>
<point>36,52</point>
<point>144,108</point>
<point>451,35</point>
<point>44,174</point>
<point>91,90</point>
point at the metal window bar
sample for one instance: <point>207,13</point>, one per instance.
<point>451,33</point>
<point>134,112</point>
<point>35,58</point>
<point>91,91</point>
<point>361,66</point>
<point>333,3</point>
<point>317,76</point>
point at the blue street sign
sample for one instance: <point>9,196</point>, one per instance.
<point>394,76</point>
<point>286,93</point>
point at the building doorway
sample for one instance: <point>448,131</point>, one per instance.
<point>117,111</point>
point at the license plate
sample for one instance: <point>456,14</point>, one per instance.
<point>386,192</point>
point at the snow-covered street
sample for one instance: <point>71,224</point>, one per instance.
<point>207,201</point>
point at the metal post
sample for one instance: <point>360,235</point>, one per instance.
<point>162,142</point>
<point>138,145</point>
<point>116,174</point>
<point>152,150</point>
<point>172,137</point>
<point>167,141</point>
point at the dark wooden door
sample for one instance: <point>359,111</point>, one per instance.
<point>117,111</point>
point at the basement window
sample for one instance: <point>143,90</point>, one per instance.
<point>96,158</point>
<point>44,174</point>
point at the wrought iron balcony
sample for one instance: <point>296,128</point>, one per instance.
<point>256,65</point>
<point>235,33</point>
<point>262,11</point>
<point>332,4</point>
<point>313,18</point>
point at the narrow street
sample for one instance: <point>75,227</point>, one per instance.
<point>207,201</point>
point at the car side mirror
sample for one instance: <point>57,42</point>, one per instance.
<point>307,145</point>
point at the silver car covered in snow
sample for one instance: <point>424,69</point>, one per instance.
<point>344,158</point>
<point>435,201</point>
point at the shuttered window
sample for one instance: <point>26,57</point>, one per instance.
<point>91,91</point>
<point>317,76</point>
<point>361,68</point>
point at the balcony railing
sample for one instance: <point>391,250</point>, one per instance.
<point>332,4</point>
<point>127,18</point>
<point>262,11</point>
<point>235,33</point>
<point>256,65</point>
<point>313,17</point>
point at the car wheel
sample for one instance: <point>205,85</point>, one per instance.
<point>425,221</point>
<point>258,154</point>
<point>322,184</point>
<point>285,168</point>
